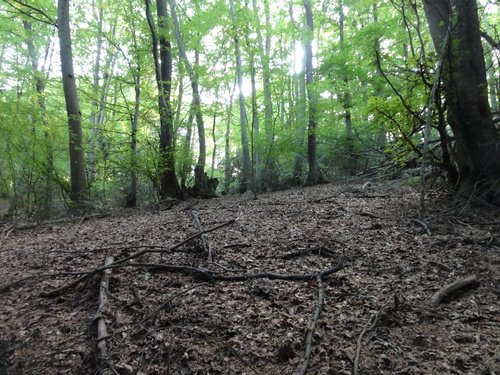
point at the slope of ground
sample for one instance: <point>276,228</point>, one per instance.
<point>163,315</point>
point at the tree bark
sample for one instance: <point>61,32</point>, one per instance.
<point>269,167</point>
<point>201,184</point>
<point>465,87</point>
<point>313,176</point>
<point>76,153</point>
<point>169,186</point>
<point>346,97</point>
<point>246,177</point>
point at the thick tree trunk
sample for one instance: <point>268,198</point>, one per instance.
<point>476,152</point>
<point>76,153</point>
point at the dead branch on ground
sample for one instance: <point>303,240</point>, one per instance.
<point>204,274</point>
<point>277,276</point>
<point>372,323</point>
<point>119,262</point>
<point>312,327</point>
<point>204,240</point>
<point>165,303</point>
<point>102,350</point>
<point>450,288</point>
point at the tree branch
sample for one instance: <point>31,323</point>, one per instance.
<point>490,40</point>
<point>312,326</point>
<point>49,20</point>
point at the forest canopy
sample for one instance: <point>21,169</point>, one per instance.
<point>199,98</point>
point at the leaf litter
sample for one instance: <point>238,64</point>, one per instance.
<point>375,318</point>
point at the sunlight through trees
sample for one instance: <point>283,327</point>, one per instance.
<point>188,98</point>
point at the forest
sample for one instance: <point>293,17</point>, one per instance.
<point>249,187</point>
<point>111,105</point>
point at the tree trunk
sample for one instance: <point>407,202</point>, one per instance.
<point>201,184</point>
<point>269,169</point>
<point>255,128</point>
<point>48,170</point>
<point>76,153</point>
<point>465,87</point>
<point>246,177</point>
<point>313,176</point>
<point>346,97</point>
<point>169,186</point>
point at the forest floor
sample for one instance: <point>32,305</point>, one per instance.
<point>251,309</point>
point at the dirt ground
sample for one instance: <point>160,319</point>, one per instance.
<point>244,297</point>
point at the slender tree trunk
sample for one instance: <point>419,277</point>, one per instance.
<point>246,177</point>
<point>228,167</point>
<point>301,119</point>
<point>169,186</point>
<point>382,139</point>
<point>346,97</point>
<point>476,151</point>
<point>131,200</point>
<point>255,128</point>
<point>95,103</point>
<point>313,176</point>
<point>269,169</point>
<point>76,152</point>
<point>201,186</point>
<point>48,147</point>
<point>493,92</point>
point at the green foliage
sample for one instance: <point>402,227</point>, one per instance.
<point>373,88</point>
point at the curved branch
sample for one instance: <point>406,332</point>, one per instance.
<point>490,40</point>
<point>50,21</point>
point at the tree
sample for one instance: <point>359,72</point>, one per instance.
<point>201,184</point>
<point>76,153</point>
<point>246,177</point>
<point>169,186</point>
<point>313,176</point>
<point>465,86</point>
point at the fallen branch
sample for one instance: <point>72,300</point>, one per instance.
<point>277,276</point>
<point>312,327</point>
<point>165,303</point>
<point>194,236</point>
<point>372,323</point>
<point>119,262</point>
<point>207,275</point>
<point>59,291</point>
<point>448,289</point>
<point>102,350</point>
<point>6,288</point>
<point>215,276</point>
<point>204,241</point>
<point>423,224</point>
